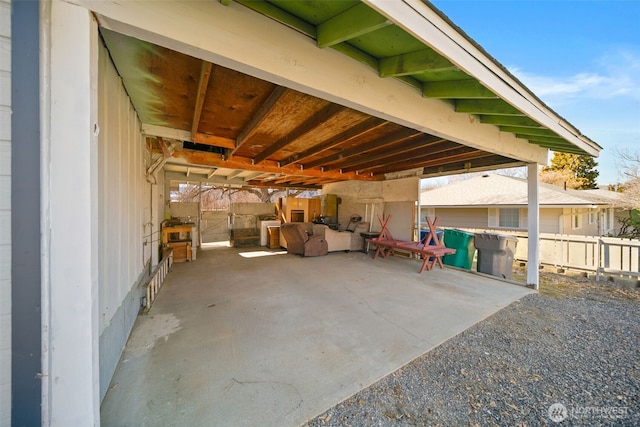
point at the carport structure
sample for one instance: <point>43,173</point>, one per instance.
<point>315,94</point>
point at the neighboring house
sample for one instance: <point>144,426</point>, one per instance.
<point>500,202</point>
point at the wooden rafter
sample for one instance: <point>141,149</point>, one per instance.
<point>413,63</point>
<point>509,121</point>
<point>527,131</point>
<point>307,126</point>
<point>396,136</point>
<point>548,139</point>
<point>196,157</point>
<point>353,22</point>
<point>218,141</point>
<point>394,164</point>
<point>478,164</point>
<point>360,129</point>
<point>486,106</point>
<point>205,74</point>
<point>405,162</point>
<point>258,118</point>
<point>406,150</point>
<point>252,176</point>
<point>278,14</point>
<point>461,89</point>
<point>233,174</point>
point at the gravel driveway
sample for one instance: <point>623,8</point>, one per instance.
<point>569,355</point>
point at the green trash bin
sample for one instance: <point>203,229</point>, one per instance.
<point>463,243</point>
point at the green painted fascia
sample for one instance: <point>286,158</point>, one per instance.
<point>528,131</point>
<point>547,139</point>
<point>420,61</point>
<point>313,12</point>
<point>280,15</point>
<point>387,41</point>
<point>499,120</point>
<point>486,106</point>
<point>459,89</point>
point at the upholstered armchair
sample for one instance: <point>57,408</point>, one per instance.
<point>301,243</point>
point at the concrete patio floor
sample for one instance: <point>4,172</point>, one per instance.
<point>249,337</point>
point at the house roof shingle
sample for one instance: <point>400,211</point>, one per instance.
<point>498,190</point>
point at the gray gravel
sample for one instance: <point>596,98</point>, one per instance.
<point>576,343</point>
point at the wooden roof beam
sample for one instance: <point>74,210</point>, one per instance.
<point>354,22</point>
<point>396,136</point>
<point>486,106</point>
<point>257,118</point>
<point>204,158</point>
<point>233,174</point>
<point>484,163</point>
<point>458,89</point>
<point>414,63</point>
<point>520,130</point>
<point>252,176</point>
<point>268,9</point>
<point>205,73</point>
<point>307,126</point>
<point>405,151</point>
<point>539,138</point>
<point>406,162</point>
<point>500,120</point>
<point>360,129</point>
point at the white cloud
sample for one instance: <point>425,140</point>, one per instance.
<point>617,75</point>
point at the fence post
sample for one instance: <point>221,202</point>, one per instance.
<point>598,247</point>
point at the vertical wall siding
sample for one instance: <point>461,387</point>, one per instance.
<point>124,193</point>
<point>5,213</point>
<point>124,215</point>
<point>462,218</point>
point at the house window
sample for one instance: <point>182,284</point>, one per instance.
<point>576,219</point>
<point>592,216</point>
<point>607,223</point>
<point>509,218</point>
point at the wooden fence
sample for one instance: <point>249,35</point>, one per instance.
<point>601,255</point>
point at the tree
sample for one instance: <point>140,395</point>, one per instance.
<point>212,197</point>
<point>628,164</point>
<point>630,225</point>
<point>562,178</point>
<point>578,169</point>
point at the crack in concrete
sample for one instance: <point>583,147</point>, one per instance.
<point>234,381</point>
<point>374,311</point>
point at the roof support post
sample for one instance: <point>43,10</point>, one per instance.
<point>69,216</point>
<point>533,240</point>
<point>25,305</point>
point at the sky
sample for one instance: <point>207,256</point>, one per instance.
<point>582,58</point>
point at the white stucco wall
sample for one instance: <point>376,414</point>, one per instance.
<point>5,213</point>
<point>368,198</point>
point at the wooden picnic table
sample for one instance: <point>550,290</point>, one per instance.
<point>430,248</point>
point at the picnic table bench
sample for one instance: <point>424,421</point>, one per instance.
<point>430,248</point>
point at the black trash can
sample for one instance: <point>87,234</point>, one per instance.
<point>495,254</point>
